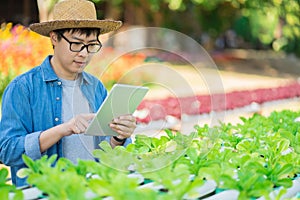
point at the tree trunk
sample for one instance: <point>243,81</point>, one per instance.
<point>45,9</point>
<point>112,12</point>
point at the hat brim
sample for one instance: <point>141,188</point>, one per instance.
<point>105,26</point>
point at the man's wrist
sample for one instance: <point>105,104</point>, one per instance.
<point>119,140</point>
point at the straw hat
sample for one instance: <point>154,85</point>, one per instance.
<point>74,14</point>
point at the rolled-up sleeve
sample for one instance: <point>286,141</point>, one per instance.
<point>32,145</point>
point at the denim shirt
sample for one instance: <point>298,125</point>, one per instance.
<point>32,103</point>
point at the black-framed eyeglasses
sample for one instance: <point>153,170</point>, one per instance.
<point>79,46</point>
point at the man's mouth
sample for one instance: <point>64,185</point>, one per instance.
<point>80,63</point>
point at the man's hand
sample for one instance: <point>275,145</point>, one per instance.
<point>124,125</point>
<point>78,124</point>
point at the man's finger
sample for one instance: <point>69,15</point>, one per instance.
<point>89,116</point>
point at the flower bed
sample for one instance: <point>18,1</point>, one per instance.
<point>200,104</point>
<point>20,51</point>
<point>257,159</point>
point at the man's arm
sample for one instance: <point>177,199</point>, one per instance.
<point>16,136</point>
<point>76,125</point>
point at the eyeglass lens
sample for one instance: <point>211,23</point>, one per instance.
<point>79,46</point>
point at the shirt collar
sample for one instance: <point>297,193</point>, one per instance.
<point>49,74</point>
<point>47,71</point>
<point>86,79</point>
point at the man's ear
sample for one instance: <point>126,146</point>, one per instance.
<point>53,37</point>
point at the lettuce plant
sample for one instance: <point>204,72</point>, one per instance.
<point>6,190</point>
<point>57,181</point>
<point>253,157</point>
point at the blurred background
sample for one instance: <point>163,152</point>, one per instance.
<point>216,24</point>
<point>259,37</point>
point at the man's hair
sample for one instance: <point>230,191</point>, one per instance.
<point>83,31</point>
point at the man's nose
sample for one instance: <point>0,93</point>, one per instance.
<point>84,50</point>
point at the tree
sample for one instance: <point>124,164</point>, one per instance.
<point>262,23</point>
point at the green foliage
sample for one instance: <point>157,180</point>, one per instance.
<point>62,177</point>
<point>267,24</point>
<point>253,157</point>
<point>4,81</point>
<point>175,179</point>
<point>260,159</point>
<point>146,154</point>
<point>249,182</point>
<point>114,183</point>
<point>6,189</point>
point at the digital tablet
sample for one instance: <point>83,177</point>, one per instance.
<point>122,99</point>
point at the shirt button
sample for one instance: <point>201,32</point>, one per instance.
<point>56,119</point>
<point>57,98</point>
<point>58,83</point>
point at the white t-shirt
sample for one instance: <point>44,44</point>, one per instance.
<point>73,103</point>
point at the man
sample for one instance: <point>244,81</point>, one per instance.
<point>46,110</point>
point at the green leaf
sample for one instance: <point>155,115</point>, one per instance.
<point>285,182</point>
<point>284,171</point>
<point>248,180</point>
<point>280,194</point>
<point>192,192</point>
<point>143,140</point>
<point>262,187</point>
<point>286,134</point>
<point>3,175</point>
<point>227,182</point>
<point>296,142</point>
<point>100,187</point>
<point>18,195</point>
<point>130,148</point>
<point>52,159</point>
<point>29,162</point>
<point>283,145</point>
<point>22,173</point>
<point>156,143</point>
<point>105,146</point>
<point>192,153</point>
<point>245,145</point>
<point>4,193</point>
<point>169,133</point>
<point>171,146</point>
<point>256,166</point>
<point>143,149</point>
<point>297,138</point>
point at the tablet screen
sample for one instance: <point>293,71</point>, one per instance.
<point>122,99</point>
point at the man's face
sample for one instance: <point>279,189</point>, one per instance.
<point>66,62</point>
